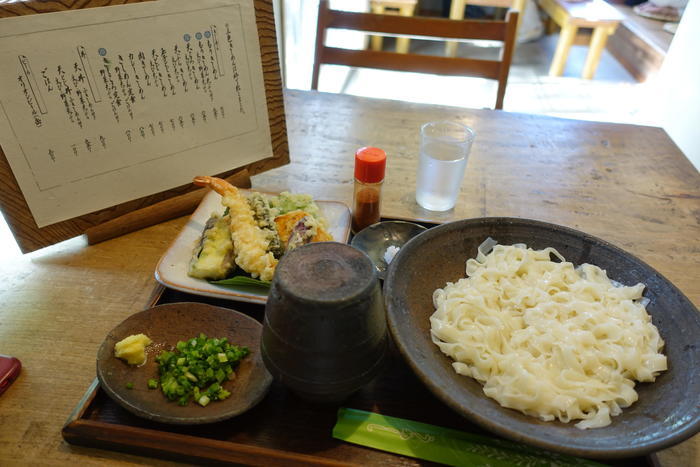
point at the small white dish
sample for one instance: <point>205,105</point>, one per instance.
<point>172,267</point>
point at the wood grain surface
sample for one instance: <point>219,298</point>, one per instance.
<point>165,210</point>
<point>629,185</point>
<point>14,207</point>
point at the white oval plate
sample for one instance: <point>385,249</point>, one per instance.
<point>172,267</point>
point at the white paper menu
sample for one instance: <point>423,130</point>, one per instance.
<point>104,105</point>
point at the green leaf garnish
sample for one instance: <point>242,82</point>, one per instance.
<point>242,281</point>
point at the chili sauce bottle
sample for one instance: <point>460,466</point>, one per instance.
<point>370,164</point>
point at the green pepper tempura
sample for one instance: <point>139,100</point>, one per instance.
<point>197,368</point>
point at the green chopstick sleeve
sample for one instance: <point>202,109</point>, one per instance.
<point>444,445</point>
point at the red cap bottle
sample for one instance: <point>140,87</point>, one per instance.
<point>370,165</point>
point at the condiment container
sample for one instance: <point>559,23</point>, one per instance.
<point>381,241</point>
<point>370,164</point>
<point>324,334</point>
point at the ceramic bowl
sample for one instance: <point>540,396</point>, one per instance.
<point>668,410</point>
<point>165,325</point>
<point>377,238</point>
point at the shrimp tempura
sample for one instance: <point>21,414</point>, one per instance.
<point>250,244</point>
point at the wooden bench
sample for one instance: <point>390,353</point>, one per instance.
<point>596,14</point>
<point>639,44</point>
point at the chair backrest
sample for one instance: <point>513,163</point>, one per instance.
<point>503,31</point>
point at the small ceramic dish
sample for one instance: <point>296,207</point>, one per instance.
<point>165,325</point>
<point>172,267</point>
<point>382,241</point>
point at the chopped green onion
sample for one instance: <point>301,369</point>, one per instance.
<point>203,401</point>
<point>130,385</point>
<point>196,369</point>
<point>152,383</point>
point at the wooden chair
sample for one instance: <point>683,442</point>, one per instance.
<point>414,26</point>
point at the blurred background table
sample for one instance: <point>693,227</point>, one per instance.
<point>628,184</point>
<point>572,15</point>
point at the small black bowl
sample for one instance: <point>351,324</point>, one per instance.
<point>377,238</point>
<point>324,334</point>
<point>668,410</point>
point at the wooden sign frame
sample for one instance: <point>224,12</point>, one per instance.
<point>176,201</point>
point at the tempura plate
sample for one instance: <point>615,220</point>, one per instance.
<point>172,267</point>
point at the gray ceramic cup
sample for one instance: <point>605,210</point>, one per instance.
<point>324,333</point>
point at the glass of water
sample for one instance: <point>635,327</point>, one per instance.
<point>444,147</point>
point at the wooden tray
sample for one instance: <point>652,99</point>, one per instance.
<point>281,430</point>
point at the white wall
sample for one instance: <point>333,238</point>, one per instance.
<point>679,85</point>
<point>299,23</point>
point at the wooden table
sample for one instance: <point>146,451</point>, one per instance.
<point>627,184</point>
<point>572,15</point>
<point>393,7</point>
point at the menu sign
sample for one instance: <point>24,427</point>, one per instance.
<point>105,105</point>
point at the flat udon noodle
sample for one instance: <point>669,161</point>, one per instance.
<point>545,338</point>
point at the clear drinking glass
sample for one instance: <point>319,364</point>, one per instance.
<point>444,148</point>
